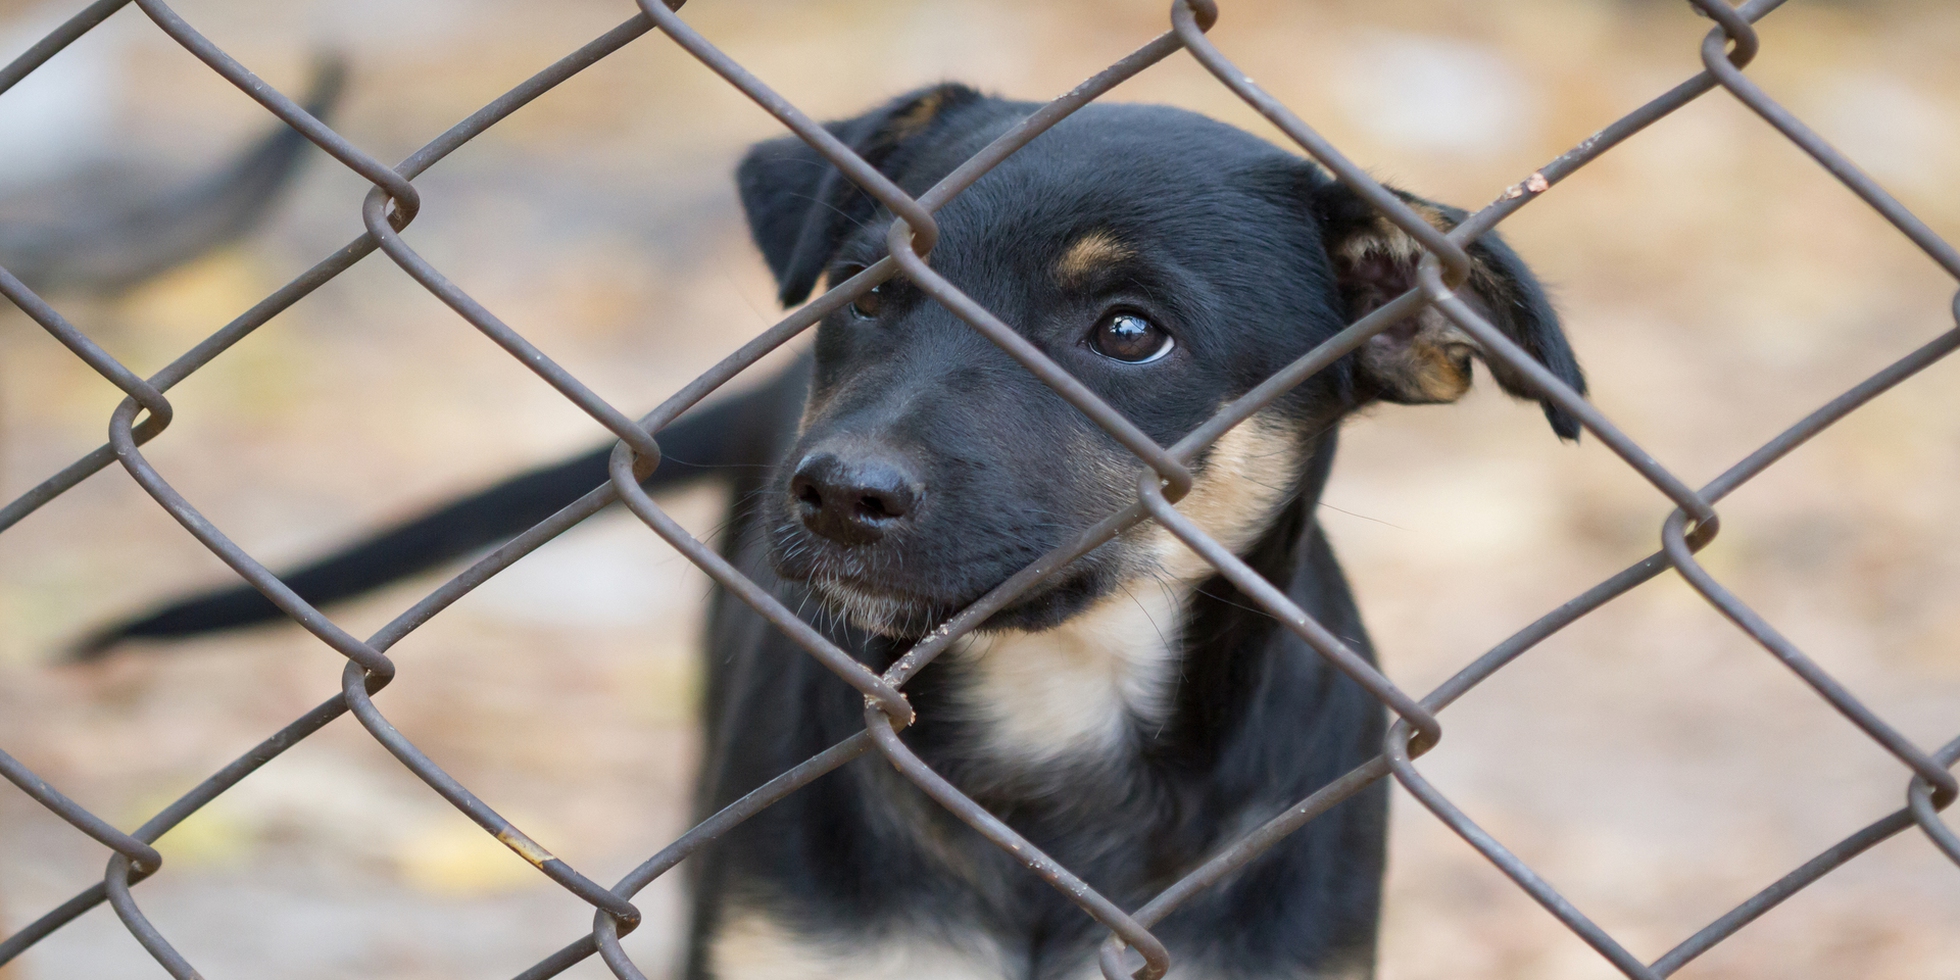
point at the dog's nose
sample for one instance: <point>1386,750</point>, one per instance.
<point>852,501</point>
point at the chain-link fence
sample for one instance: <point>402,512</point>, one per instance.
<point>1164,479</point>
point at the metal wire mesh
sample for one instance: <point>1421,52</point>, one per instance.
<point>1164,479</point>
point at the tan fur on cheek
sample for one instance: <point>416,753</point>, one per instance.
<point>1077,689</point>
<point>1235,498</point>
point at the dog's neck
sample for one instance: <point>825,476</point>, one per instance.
<point>1109,680</point>
<point>1082,687</point>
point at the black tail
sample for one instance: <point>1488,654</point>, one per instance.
<point>98,239</point>
<point>737,431</point>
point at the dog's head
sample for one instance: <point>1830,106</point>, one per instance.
<point>1168,261</point>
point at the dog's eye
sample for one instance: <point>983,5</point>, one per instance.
<point>868,305</point>
<point>1129,337</point>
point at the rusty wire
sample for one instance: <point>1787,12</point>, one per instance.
<point>1131,950</point>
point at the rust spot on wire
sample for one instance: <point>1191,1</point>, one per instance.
<point>525,847</point>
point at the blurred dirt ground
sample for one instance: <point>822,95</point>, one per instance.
<point>1650,761</point>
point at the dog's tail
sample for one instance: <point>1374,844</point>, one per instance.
<point>729,432</point>
<point>103,243</point>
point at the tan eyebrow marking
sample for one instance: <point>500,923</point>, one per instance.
<point>1089,253</point>
<point>920,114</point>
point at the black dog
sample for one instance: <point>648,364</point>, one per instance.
<point>1132,715</point>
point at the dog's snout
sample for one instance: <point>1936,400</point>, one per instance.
<point>852,500</point>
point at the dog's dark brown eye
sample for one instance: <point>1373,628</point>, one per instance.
<point>868,305</point>
<point>1129,337</point>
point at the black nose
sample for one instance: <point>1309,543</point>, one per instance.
<point>852,500</point>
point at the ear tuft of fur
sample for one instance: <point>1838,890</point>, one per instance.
<point>800,206</point>
<point>1426,358</point>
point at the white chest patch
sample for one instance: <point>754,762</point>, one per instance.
<point>755,947</point>
<point>1076,688</point>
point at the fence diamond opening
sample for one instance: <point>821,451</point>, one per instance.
<point>1163,479</point>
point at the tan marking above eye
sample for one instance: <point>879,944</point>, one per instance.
<point>919,115</point>
<point>1095,250</point>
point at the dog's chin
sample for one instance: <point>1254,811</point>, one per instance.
<point>912,617</point>
<point>897,617</point>
<point>901,610</point>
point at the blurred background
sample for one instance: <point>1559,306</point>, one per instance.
<point>1650,761</point>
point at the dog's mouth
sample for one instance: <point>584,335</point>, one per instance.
<point>912,578</point>
<point>877,605</point>
<point>896,615</point>
<point>869,587</point>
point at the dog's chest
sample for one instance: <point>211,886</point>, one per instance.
<point>1080,689</point>
<point>755,946</point>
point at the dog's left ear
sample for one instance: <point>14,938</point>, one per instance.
<point>800,207</point>
<point>1426,358</point>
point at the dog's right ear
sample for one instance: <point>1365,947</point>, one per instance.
<point>1426,358</point>
<point>800,207</point>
